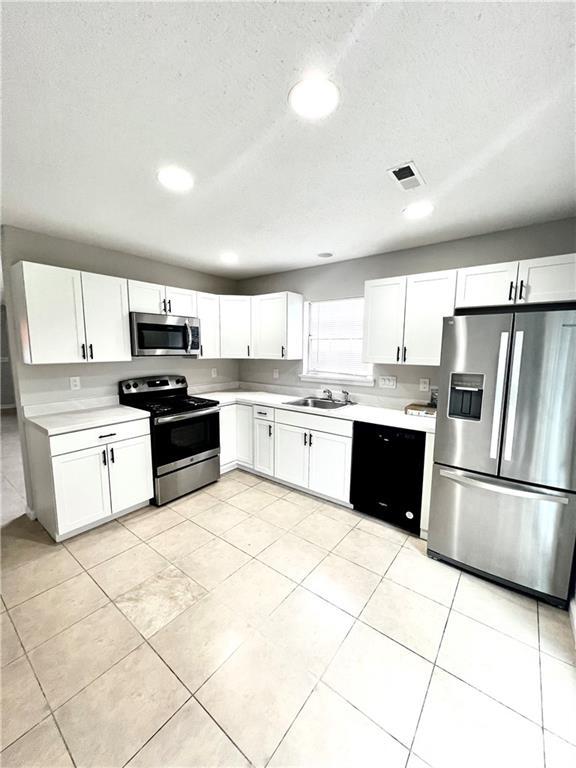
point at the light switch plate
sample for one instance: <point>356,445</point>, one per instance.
<point>74,382</point>
<point>424,385</point>
<point>214,372</point>
<point>275,373</point>
<point>387,382</point>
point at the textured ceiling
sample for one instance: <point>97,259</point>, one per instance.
<point>98,95</point>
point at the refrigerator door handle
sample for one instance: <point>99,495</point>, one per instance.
<point>473,482</point>
<point>513,401</point>
<point>499,394</point>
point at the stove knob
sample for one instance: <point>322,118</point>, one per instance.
<point>128,386</point>
<point>135,385</point>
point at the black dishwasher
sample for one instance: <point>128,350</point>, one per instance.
<point>387,470</point>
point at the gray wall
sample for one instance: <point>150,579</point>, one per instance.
<point>7,397</point>
<point>346,279</point>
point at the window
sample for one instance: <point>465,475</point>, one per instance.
<point>334,342</point>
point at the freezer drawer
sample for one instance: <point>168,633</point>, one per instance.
<point>519,533</point>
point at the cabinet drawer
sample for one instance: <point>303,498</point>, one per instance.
<point>261,412</point>
<point>314,422</point>
<point>86,438</point>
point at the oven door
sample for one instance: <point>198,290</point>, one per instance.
<point>184,439</point>
<point>163,335</point>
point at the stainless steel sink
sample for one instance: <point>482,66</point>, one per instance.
<point>319,402</point>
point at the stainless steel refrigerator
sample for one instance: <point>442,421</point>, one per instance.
<point>504,483</point>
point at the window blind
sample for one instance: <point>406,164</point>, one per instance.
<point>335,338</point>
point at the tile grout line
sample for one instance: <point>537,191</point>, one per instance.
<point>540,681</point>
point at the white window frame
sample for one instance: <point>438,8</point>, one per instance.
<point>319,376</point>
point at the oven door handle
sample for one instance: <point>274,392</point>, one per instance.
<point>185,416</point>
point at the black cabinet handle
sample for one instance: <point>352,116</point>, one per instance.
<point>164,306</point>
<point>521,290</point>
<point>201,351</point>
<point>110,434</point>
<point>169,305</point>
<point>283,352</point>
<point>261,413</point>
<point>310,439</point>
<point>104,456</point>
<point>404,357</point>
<point>83,351</point>
<point>397,354</point>
<point>248,348</point>
<point>112,455</point>
<point>269,430</point>
<point>90,347</point>
<point>511,291</point>
<point>305,439</point>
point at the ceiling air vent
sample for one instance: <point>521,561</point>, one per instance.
<point>406,175</point>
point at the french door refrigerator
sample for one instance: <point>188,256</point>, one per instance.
<point>504,483</point>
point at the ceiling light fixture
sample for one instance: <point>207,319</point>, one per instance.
<point>314,97</point>
<point>229,258</point>
<point>418,210</point>
<point>325,255</point>
<point>175,179</point>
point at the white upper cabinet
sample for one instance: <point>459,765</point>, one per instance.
<point>277,326</point>
<point>180,302</point>
<point>384,319</point>
<point>487,285</point>
<point>429,298</point>
<point>235,326</point>
<point>106,317</point>
<point>330,463</point>
<point>146,297</point>
<point>549,279</point>
<point>50,318</point>
<point>208,307</point>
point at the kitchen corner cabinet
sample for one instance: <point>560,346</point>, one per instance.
<point>235,327</point>
<point>208,306</point>
<point>244,447</point>
<point>228,449</point>
<point>277,326</point>
<point>67,316</point>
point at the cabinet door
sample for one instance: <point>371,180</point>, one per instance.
<point>269,314</point>
<point>330,461</point>
<point>106,316</point>
<point>208,308</point>
<point>235,325</point>
<point>130,463</point>
<point>384,320</point>
<point>227,434</point>
<point>264,446</point>
<point>54,314</point>
<point>429,298</point>
<point>180,302</point>
<point>146,297</point>
<point>81,487</point>
<point>244,434</point>
<point>291,454</point>
<point>548,279</point>
<point>487,285</point>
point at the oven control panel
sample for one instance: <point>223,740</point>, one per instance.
<point>162,383</point>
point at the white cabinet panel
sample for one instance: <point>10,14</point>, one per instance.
<point>130,465</point>
<point>208,309</point>
<point>269,317</point>
<point>549,279</point>
<point>429,298</point>
<point>264,446</point>
<point>487,285</point>
<point>146,297</point>
<point>81,488</point>
<point>228,446</point>
<point>48,302</point>
<point>330,462</point>
<point>107,317</point>
<point>384,319</point>
<point>235,326</point>
<point>244,434</point>
<point>291,454</point>
<point>180,302</point>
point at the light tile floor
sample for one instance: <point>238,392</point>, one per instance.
<point>251,625</point>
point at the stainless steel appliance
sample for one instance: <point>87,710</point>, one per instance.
<point>164,335</point>
<point>504,483</point>
<point>185,434</point>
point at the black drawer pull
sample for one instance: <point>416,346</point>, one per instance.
<point>110,434</point>
<point>262,413</point>
<point>382,504</point>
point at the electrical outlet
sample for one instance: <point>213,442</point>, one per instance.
<point>74,382</point>
<point>387,382</point>
<point>275,373</point>
<point>424,385</point>
<point>214,372</point>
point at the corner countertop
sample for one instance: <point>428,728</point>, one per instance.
<point>372,414</point>
<point>85,418</point>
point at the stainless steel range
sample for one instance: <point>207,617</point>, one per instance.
<point>185,433</point>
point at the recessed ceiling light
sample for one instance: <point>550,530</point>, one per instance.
<point>418,210</point>
<point>314,97</point>
<point>229,257</point>
<point>325,255</point>
<point>175,179</point>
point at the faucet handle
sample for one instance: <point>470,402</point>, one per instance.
<point>328,393</point>
<point>346,396</point>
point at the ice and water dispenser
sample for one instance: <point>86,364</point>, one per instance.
<point>465,400</point>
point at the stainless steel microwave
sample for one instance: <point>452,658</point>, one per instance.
<point>164,335</point>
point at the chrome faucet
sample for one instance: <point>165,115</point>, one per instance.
<point>346,396</point>
<point>327,394</point>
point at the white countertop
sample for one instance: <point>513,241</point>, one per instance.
<point>71,421</point>
<point>391,417</point>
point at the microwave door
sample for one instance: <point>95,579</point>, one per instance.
<point>161,335</point>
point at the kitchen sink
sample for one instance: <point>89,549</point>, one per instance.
<point>319,402</point>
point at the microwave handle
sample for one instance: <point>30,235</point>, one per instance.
<point>188,338</point>
<point>186,416</point>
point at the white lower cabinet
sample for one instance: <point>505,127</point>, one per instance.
<point>244,448</point>
<point>291,454</point>
<point>81,488</point>
<point>130,463</point>
<point>330,462</point>
<point>264,446</point>
<point>227,435</point>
